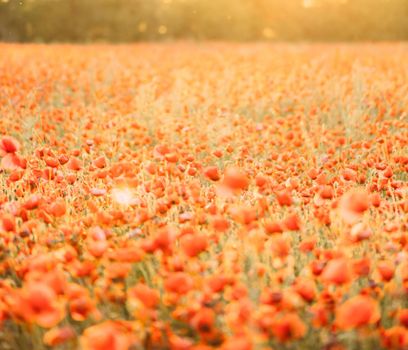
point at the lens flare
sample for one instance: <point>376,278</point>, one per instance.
<point>124,196</point>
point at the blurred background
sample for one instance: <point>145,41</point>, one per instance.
<point>243,20</point>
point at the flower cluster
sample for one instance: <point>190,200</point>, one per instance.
<point>193,197</point>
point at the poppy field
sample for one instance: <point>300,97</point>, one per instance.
<point>204,196</point>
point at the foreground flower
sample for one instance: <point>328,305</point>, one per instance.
<point>395,338</point>
<point>337,271</point>
<point>358,311</point>
<point>109,335</point>
<point>37,303</point>
<point>288,327</point>
<point>353,205</point>
<point>235,179</point>
<point>8,144</point>
<point>58,336</point>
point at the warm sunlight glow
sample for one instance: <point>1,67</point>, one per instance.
<point>124,196</point>
<point>203,174</point>
<point>238,20</point>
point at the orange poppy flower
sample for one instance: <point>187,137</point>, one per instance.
<point>74,164</point>
<point>280,246</point>
<point>58,336</point>
<point>284,198</point>
<point>12,162</point>
<point>403,317</point>
<point>148,296</point>
<point>337,271</point>
<point>32,202</point>
<point>320,315</point>
<point>180,343</point>
<point>358,311</point>
<point>212,173</point>
<point>179,283</point>
<point>38,303</point>
<point>288,327</point>
<point>8,144</point>
<point>203,321</point>
<point>386,270</point>
<point>8,222</point>
<point>235,179</point>
<point>306,289</point>
<point>353,204</point>
<point>395,338</point>
<point>361,267</point>
<point>292,222</point>
<point>272,227</point>
<point>57,208</point>
<point>127,254</point>
<point>109,335</point>
<point>218,282</point>
<point>193,244</point>
<point>80,308</point>
<point>237,343</point>
<point>51,162</point>
<point>99,162</point>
